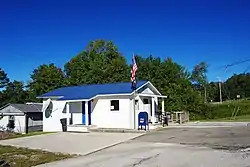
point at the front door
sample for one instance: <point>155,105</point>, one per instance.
<point>147,106</point>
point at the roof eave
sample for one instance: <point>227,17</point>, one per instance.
<point>49,97</point>
<point>148,82</point>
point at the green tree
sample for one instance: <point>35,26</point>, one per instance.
<point>44,79</point>
<point>99,63</point>
<point>199,77</point>
<point>171,79</point>
<point>238,84</point>
<point>4,80</point>
<point>14,93</point>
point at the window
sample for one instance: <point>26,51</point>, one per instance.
<point>136,104</point>
<point>12,117</point>
<point>114,105</point>
<point>145,101</point>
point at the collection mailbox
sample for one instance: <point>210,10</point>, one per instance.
<point>143,121</point>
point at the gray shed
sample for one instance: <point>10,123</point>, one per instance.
<point>27,117</point>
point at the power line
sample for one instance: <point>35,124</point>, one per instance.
<point>236,63</point>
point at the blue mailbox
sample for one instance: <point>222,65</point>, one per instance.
<point>143,121</point>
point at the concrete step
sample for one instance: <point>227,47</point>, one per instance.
<point>77,128</point>
<point>115,130</point>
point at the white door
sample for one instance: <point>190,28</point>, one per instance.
<point>147,106</point>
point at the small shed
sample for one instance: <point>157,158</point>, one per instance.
<point>27,117</point>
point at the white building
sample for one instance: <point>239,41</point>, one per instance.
<point>27,117</point>
<point>100,105</point>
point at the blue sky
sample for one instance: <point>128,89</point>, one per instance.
<point>189,31</point>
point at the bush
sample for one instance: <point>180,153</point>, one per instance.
<point>225,110</point>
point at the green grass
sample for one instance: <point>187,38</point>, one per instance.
<point>12,136</point>
<point>24,157</point>
<point>242,118</point>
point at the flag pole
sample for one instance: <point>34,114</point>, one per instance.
<point>134,93</point>
<point>134,108</point>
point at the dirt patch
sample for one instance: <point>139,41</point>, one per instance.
<point>7,135</point>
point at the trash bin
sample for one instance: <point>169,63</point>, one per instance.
<point>165,120</point>
<point>64,124</point>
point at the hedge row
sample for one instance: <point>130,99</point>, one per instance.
<point>225,110</point>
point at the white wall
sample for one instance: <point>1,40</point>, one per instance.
<point>4,121</point>
<point>19,123</point>
<point>147,91</point>
<point>52,123</point>
<point>75,109</point>
<point>103,117</point>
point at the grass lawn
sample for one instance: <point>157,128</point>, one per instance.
<point>5,136</point>
<point>242,118</point>
<point>24,157</point>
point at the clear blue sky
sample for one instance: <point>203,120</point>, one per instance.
<point>45,31</point>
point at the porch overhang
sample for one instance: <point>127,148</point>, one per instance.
<point>152,95</point>
<point>9,114</point>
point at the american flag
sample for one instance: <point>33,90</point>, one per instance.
<point>133,73</point>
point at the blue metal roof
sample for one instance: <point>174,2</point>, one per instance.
<point>89,91</point>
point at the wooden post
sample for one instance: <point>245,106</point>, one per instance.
<point>162,106</point>
<point>26,123</point>
<point>153,110</point>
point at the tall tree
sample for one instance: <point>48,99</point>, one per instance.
<point>199,77</point>
<point>171,79</point>
<point>238,85</point>
<point>4,80</point>
<point>99,63</point>
<point>44,79</point>
<point>14,93</point>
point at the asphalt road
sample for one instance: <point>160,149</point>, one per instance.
<point>177,147</point>
<point>228,138</point>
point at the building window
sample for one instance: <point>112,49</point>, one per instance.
<point>136,104</point>
<point>114,105</point>
<point>145,101</point>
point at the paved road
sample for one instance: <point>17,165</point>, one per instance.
<point>231,138</point>
<point>162,148</point>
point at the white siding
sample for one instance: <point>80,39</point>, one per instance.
<point>4,121</point>
<point>52,123</point>
<point>103,117</point>
<point>19,123</point>
<point>147,91</point>
<point>75,109</point>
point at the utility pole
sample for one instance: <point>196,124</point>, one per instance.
<point>220,90</point>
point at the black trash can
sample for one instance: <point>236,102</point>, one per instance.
<point>64,124</point>
<point>165,120</point>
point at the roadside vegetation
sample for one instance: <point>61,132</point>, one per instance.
<point>233,110</point>
<point>24,157</point>
<point>242,118</point>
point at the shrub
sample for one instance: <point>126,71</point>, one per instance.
<point>225,110</point>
